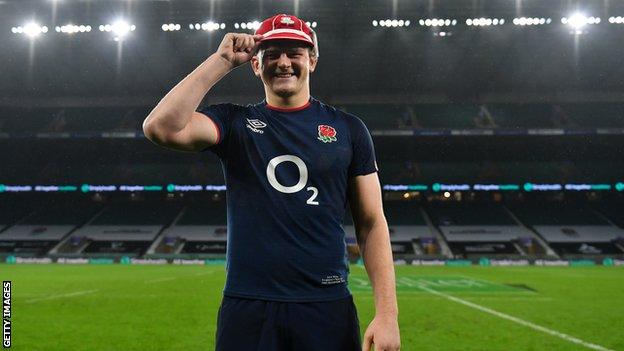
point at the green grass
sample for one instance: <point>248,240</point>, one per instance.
<point>127,307</point>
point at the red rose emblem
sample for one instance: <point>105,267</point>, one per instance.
<point>326,133</point>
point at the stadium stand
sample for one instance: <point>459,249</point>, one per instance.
<point>197,229</point>
<point>200,231</point>
<point>519,172</point>
<point>75,119</point>
<point>483,229</point>
<point>11,211</point>
<point>473,115</point>
<point>71,119</point>
<point>25,120</point>
<point>410,235</point>
<point>446,115</point>
<point>522,115</point>
<point>38,232</point>
<point>595,115</point>
<point>376,116</point>
<point>120,229</point>
<point>573,231</point>
<point>614,211</point>
<point>59,155</point>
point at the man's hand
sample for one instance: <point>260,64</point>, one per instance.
<point>383,332</point>
<point>238,48</point>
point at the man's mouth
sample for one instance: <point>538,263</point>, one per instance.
<point>284,75</point>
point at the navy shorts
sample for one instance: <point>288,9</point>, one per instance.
<point>247,324</point>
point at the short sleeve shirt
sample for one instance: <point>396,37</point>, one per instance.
<point>287,173</point>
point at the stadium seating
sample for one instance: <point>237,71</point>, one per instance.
<point>522,115</point>
<point>466,116</point>
<point>573,231</point>
<point>376,116</point>
<point>410,235</point>
<point>126,228</point>
<point>475,230</point>
<point>199,232</point>
<point>596,115</point>
<point>446,115</point>
<point>72,119</point>
<point>614,211</point>
<point>519,172</point>
<point>196,229</point>
<point>25,120</point>
<point>11,211</point>
<point>43,228</point>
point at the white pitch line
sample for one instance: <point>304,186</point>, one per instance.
<point>160,280</point>
<point>77,293</point>
<point>512,298</point>
<point>420,295</point>
<point>518,320</point>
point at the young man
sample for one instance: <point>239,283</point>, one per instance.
<point>290,163</point>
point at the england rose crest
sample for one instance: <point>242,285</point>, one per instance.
<point>326,133</point>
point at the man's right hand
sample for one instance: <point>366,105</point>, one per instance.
<point>238,48</point>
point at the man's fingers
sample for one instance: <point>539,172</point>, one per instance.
<point>234,38</point>
<point>257,38</point>
<point>256,43</point>
<point>244,42</point>
<point>248,43</point>
<point>237,48</point>
<point>368,341</point>
<point>240,43</point>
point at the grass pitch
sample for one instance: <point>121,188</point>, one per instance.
<point>131,307</point>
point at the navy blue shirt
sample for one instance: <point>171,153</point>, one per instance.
<point>287,174</point>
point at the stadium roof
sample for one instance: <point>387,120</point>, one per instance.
<point>359,61</point>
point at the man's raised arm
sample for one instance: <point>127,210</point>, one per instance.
<point>173,123</point>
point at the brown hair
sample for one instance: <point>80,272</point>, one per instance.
<point>263,46</point>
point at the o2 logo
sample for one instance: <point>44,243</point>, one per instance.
<point>303,177</point>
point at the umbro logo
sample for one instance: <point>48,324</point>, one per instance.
<point>256,125</point>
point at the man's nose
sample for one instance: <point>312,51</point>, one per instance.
<point>283,60</point>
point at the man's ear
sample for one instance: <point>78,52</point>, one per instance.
<point>313,62</point>
<point>255,65</point>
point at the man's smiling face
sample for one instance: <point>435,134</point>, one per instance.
<point>284,66</point>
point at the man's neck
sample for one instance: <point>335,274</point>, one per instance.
<point>288,102</point>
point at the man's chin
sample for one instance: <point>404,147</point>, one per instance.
<point>284,92</point>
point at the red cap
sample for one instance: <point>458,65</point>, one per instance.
<point>286,27</point>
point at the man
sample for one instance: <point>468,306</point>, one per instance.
<point>290,162</point>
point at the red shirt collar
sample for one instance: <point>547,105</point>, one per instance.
<point>293,109</point>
